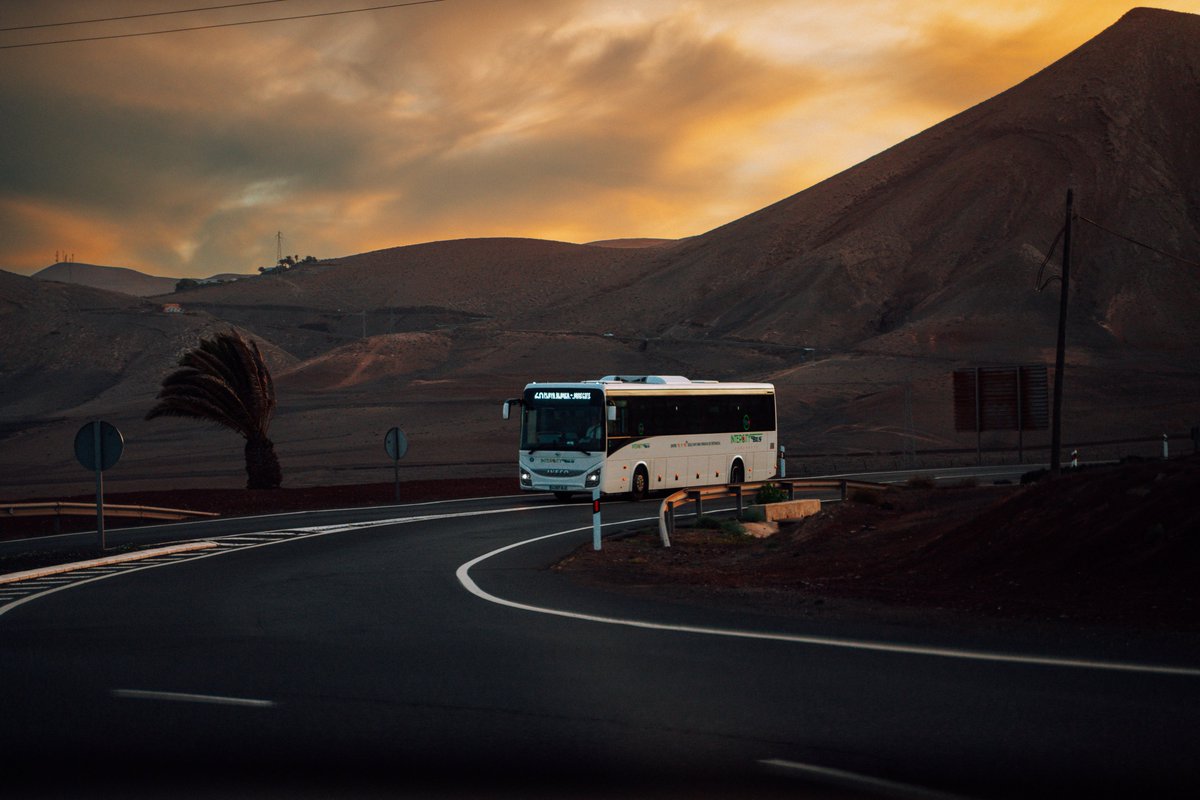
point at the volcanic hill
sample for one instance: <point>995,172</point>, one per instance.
<point>857,297</point>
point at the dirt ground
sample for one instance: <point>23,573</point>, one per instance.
<point>1115,545</point>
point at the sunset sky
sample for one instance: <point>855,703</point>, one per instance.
<point>182,154</point>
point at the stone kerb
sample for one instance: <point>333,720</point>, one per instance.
<point>787,509</point>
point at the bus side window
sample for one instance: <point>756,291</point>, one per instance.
<point>620,425</point>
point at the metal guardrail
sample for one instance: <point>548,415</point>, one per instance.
<point>666,510</point>
<point>58,508</point>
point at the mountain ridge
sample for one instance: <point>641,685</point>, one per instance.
<point>858,295</point>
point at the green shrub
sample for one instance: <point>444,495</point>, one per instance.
<point>731,526</point>
<point>770,493</point>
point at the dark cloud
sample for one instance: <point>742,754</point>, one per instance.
<point>184,154</point>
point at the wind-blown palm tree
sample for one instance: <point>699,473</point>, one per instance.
<point>225,380</point>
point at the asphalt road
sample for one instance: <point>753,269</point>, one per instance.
<point>419,656</point>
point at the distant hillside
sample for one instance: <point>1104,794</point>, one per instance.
<point>63,347</point>
<point>632,243</point>
<point>113,279</point>
<point>496,278</point>
<point>119,279</point>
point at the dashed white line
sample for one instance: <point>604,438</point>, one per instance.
<point>184,697</point>
<point>856,781</point>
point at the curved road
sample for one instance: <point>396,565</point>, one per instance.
<point>415,654</point>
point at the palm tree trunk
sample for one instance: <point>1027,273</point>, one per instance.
<point>262,466</point>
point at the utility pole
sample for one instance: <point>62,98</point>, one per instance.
<point>910,431</point>
<point>1060,352</point>
<point>278,246</point>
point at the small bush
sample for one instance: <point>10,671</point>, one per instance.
<point>731,526</point>
<point>770,493</point>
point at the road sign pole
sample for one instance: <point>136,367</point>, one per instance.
<point>99,451</point>
<point>396,445</point>
<point>98,446</point>
<point>596,518</point>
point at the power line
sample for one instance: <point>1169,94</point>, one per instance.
<point>221,25</point>
<point>1135,241</point>
<point>1050,253</point>
<point>138,16</point>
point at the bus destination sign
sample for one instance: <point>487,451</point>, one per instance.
<point>573,396</point>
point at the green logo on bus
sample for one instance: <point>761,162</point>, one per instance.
<point>745,438</point>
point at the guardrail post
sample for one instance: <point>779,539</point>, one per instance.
<point>842,487</point>
<point>791,487</point>
<point>698,498</point>
<point>596,518</point>
<point>737,492</point>
<point>671,518</point>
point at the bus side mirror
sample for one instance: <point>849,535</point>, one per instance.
<point>504,412</point>
<point>612,413</point>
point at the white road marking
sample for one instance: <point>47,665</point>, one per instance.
<point>218,520</point>
<point>854,780</point>
<point>464,577</point>
<point>215,547</point>
<point>183,697</point>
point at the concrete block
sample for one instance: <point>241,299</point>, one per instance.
<point>787,509</point>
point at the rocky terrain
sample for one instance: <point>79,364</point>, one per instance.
<point>1115,545</point>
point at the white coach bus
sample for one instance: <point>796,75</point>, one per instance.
<point>637,434</point>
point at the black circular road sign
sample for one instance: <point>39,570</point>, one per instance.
<point>396,444</point>
<point>101,457</point>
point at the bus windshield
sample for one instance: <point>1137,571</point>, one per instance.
<point>563,419</point>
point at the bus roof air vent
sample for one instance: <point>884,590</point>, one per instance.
<point>644,379</point>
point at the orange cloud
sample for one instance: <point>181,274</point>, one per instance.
<point>578,119</point>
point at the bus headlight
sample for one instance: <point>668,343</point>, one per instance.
<point>526,478</point>
<point>593,479</point>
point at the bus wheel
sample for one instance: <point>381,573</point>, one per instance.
<point>737,473</point>
<point>641,485</point>
<point>564,497</point>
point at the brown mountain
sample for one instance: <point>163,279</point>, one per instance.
<point>857,296</point>
<point>933,245</point>
<point>112,279</point>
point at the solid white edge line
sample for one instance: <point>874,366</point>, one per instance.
<point>118,559</point>
<point>184,697</point>
<point>464,578</point>
<point>282,514</point>
<point>859,781</point>
<point>308,533</point>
